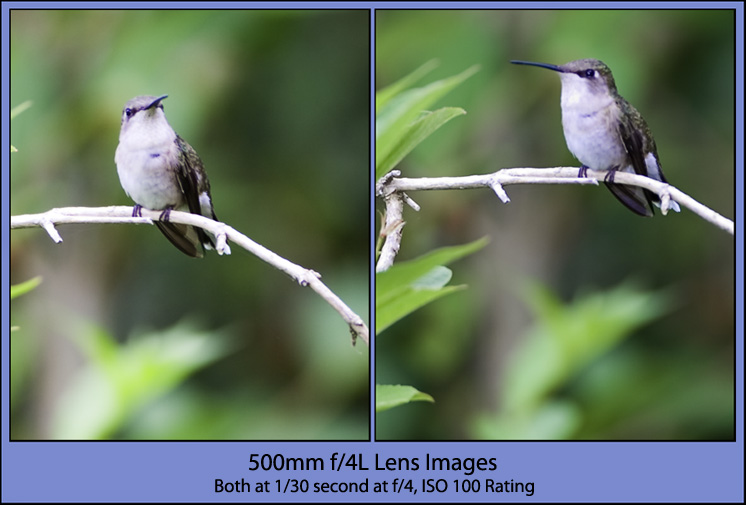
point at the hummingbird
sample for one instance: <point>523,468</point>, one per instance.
<point>605,132</point>
<point>160,171</point>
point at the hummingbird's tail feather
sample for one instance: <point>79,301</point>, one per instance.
<point>634,198</point>
<point>186,238</point>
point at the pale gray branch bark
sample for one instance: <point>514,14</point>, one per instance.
<point>391,186</point>
<point>222,232</point>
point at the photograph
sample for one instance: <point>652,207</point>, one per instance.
<point>254,329</point>
<point>372,252</point>
<point>516,297</point>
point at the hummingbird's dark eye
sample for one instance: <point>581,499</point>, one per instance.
<point>590,72</point>
<point>128,112</point>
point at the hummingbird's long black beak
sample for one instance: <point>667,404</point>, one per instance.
<point>155,102</point>
<point>533,64</point>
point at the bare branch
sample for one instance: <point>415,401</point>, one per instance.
<point>390,186</point>
<point>222,232</point>
<point>392,230</point>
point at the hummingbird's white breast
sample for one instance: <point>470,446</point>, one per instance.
<point>590,120</point>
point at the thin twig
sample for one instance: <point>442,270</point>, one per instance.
<point>222,232</point>
<point>390,187</point>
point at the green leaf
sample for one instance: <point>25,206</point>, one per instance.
<point>409,285</point>
<point>406,302</point>
<point>406,272</point>
<point>383,96</point>
<point>388,396</point>
<point>415,133</point>
<point>24,287</point>
<point>397,116</point>
<point>434,279</point>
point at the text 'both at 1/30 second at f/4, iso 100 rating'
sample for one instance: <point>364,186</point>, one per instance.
<point>473,479</point>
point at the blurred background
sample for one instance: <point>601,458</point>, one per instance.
<point>581,320</point>
<point>128,338</point>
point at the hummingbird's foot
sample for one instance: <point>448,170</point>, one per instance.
<point>137,210</point>
<point>583,172</point>
<point>166,214</point>
<point>609,177</point>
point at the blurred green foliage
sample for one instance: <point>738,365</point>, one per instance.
<point>277,105</point>
<point>18,109</point>
<point>402,124</point>
<point>637,368</point>
<point>563,342</point>
<point>120,379</point>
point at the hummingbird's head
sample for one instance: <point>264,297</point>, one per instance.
<point>143,106</point>
<point>591,75</point>
<point>143,113</point>
<point>583,81</point>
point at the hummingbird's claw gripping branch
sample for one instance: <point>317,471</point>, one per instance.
<point>166,214</point>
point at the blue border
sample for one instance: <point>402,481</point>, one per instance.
<point>186,471</point>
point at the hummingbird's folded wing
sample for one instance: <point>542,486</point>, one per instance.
<point>637,199</point>
<point>192,182</point>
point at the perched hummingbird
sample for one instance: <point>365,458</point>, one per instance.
<point>160,171</point>
<point>605,132</point>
